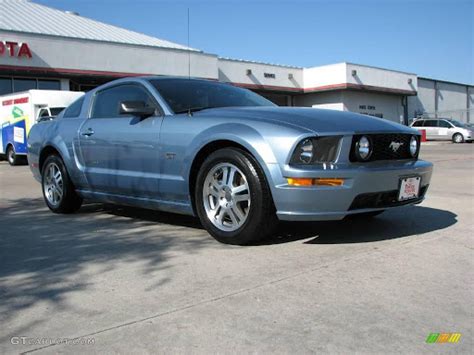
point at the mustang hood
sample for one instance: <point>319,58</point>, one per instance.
<point>316,120</point>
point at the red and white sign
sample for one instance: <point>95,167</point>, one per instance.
<point>21,100</point>
<point>15,49</point>
<point>409,188</point>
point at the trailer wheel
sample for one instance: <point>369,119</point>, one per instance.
<point>12,158</point>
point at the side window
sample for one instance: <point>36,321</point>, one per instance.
<point>444,124</point>
<point>74,109</point>
<point>107,102</point>
<point>431,123</point>
<point>418,123</point>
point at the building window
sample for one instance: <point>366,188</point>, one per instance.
<point>5,86</point>
<point>23,84</point>
<point>49,84</point>
<point>11,85</point>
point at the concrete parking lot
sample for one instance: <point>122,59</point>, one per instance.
<point>130,280</point>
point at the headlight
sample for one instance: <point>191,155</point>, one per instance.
<point>316,150</point>
<point>306,151</point>
<point>363,148</point>
<point>413,146</point>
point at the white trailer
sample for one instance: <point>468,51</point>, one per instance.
<point>20,111</point>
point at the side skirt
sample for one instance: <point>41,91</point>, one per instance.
<point>142,202</point>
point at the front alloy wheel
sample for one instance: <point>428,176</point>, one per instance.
<point>226,197</point>
<point>232,198</point>
<point>458,138</point>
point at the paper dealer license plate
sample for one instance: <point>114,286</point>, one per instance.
<point>409,188</point>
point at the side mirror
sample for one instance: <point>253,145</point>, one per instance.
<point>136,108</point>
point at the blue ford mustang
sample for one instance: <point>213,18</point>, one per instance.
<point>225,154</point>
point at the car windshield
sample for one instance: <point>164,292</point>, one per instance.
<point>457,123</point>
<point>183,95</point>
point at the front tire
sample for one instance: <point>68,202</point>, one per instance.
<point>458,138</point>
<point>58,191</point>
<point>232,198</point>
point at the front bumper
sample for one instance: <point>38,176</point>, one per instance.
<point>367,187</point>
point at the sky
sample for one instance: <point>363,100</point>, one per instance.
<point>433,39</point>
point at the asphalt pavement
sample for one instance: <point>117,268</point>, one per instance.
<point>126,280</point>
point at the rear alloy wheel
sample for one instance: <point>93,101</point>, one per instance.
<point>458,138</point>
<point>58,191</point>
<point>232,198</point>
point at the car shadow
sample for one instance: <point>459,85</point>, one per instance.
<point>392,224</point>
<point>43,256</point>
<point>398,223</point>
<point>142,214</point>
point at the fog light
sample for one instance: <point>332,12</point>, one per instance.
<point>413,146</point>
<point>363,150</point>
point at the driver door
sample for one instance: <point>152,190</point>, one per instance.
<point>120,152</point>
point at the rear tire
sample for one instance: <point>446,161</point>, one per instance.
<point>232,198</point>
<point>458,138</point>
<point>58,190</point>
<point>12,158</point>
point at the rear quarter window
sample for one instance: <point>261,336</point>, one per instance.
<point>74,109</point>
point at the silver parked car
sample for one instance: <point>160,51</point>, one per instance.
<point>444,129</point>
<point>224,154</point>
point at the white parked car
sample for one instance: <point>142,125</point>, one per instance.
<point>444,129</point>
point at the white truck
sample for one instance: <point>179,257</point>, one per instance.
<point>20,111</point>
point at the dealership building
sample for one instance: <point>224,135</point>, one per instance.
<point>46,48</point>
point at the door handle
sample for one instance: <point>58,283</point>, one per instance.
<point>88,133</point>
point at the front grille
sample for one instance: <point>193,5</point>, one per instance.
<point>383,199</point>
<point>388,146</point>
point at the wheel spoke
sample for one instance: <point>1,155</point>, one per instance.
<point>236,210</point>
<point>240,188</point>
<point>58,177</point>
<point>214,192</point>
<point>215,184</point>
<point>219,215</point>
<point>59,192</point>
<point>225,173</point>
<point>240,198</point>
<point>230,179</point>
<point>232,216</point>
<point>55,196</point>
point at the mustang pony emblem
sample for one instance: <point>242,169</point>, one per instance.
<point>395,146</point>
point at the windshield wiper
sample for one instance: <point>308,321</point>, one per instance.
<point>193,109</point>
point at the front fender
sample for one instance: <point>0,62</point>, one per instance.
<point>246,136</point>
